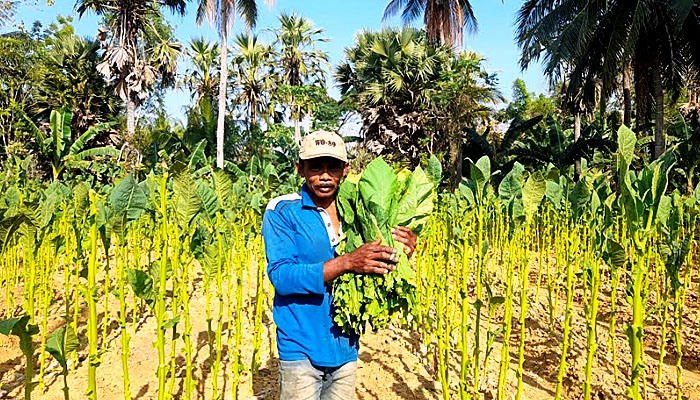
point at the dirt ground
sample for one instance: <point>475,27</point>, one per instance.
<point>392,364</point>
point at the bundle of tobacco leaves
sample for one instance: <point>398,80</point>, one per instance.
<point>370,205</point>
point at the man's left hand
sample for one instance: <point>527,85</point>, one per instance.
<point>406,237</point>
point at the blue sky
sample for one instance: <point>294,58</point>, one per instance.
<point>341,19</point>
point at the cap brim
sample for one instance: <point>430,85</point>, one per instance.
<point>317,155</point>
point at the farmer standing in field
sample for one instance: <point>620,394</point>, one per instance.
<point>301,232</point>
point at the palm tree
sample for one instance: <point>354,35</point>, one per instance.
<point>202,80</point>
<point>138,47</point>
<point>222,13</point>
<point>7,10</point>
<point>254,84</point>
<point>414,95</point>
<point>300,61</point>
<point>71,80</point>
<point>656,40</point>
<point>445,20</point>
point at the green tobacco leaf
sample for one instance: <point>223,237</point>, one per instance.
<point>370,301</point>
<point>416,205</point>
<point>192,199</point>
<point>128,197</point>
<point>478,176</point>
<point>377,187</point>
<point>626,141</point>
<point>21,328</point>
<point>664,210</point>
<point>347,199</point>
<point>171,323</point>
<point>434,170</point>
<point>511,185</point>
<point>615,254</point>
<point>142,285</point>
<point>223,186</point>
<point>533,193</point>
<point>81,200</point>
<point>56,194</point>
<point>7,325</point>
<point>62,342</point>
<point>580,197</point>
<point>661,168</point>
<point>210,259</point>
<point>155,270</point>
<point>553,192</point>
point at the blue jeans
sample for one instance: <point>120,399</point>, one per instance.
<point>300,380</point>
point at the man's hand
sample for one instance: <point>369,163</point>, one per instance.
<point>407,237</point>
<point>370,258</point>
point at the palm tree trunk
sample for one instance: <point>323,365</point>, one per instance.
<point>689,187</point>
<point>297,127</point>
<point>455,159</point>
<point>627,97</point>
<point>130,117</point>
<point>221,118</point>
<point>577,135</point>
<point>659,138</point>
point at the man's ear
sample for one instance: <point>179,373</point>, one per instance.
<point>346,170</point>
<point>299,168</point>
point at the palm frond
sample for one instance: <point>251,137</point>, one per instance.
<point>248,10</point>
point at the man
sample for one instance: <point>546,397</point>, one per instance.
<point>301,232</point>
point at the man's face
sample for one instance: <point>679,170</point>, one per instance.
<point>323,175</point>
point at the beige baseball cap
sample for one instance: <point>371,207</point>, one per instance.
<point>323,144</point>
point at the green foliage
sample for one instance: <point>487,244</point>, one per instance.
<point>413,94</point>
<point>371,205</point>
<point>552,144</point>
<point>22,328</point>
<point>60,344</point>
<point>60,149</point>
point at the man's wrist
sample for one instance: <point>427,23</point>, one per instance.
<point>343,264</point>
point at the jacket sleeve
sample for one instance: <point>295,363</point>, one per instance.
<point>287,275</point>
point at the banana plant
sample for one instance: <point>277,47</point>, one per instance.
<point>59,148</point>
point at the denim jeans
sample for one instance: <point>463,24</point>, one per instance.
<point>300,380</point>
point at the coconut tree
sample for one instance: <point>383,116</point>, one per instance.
<point>252,63</point>
<point>300,61</point>
<point>222,14</point>
<point>138,47</point>
<point>445,20</point>
<point>651,40</point>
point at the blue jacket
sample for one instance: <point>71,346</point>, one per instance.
<point>299,238</point>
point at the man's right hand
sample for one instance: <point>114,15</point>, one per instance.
<point>371,258</point>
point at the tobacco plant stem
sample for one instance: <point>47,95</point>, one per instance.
<point>91,298</point>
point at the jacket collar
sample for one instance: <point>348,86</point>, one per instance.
<point>306,200</point>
